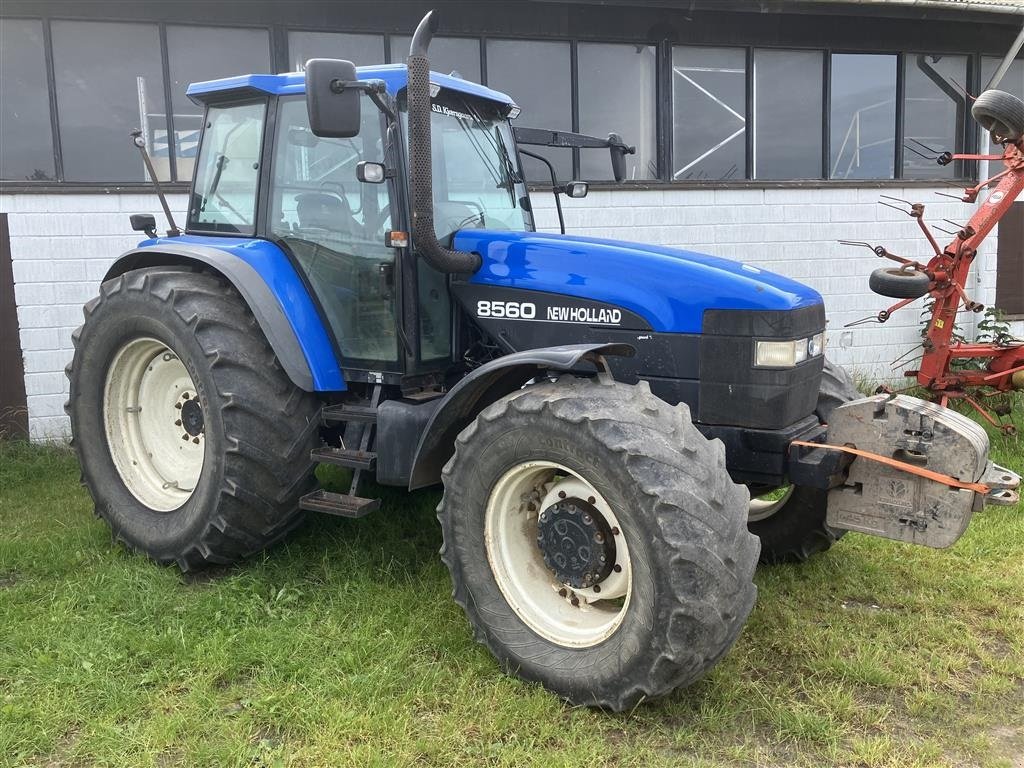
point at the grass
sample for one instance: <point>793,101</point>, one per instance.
<point>343,647</point>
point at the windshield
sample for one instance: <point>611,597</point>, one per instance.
<point>476,176</point>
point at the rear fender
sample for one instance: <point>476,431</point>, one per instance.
<point>306,357</point>
<point>484,386</point>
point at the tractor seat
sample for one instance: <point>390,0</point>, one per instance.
<point>320,210</point>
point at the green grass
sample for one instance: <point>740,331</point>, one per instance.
<point>343,647</point>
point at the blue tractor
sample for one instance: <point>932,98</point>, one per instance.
<point>360,283</point>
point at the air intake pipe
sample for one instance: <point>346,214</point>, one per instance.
<point>420,166</point>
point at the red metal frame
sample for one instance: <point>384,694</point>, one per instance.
<point>948,270</point>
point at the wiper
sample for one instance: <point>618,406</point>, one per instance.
<point>221,162</point>
<point>511,175</point>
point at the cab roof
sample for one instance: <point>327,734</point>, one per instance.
<point>395,77</point>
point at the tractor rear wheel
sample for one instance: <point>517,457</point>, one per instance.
<point>193,442</point>
<point>791,524</point>
<point>596,542</point>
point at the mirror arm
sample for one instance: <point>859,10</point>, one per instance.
<point>554,184</point>
<point>375,89</point>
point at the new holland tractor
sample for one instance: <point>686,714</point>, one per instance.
<point>622,430</point>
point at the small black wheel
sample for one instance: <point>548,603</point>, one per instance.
<point>899,283</point>
<point>1001,114</point>
<point>791,521</point>
<point>596,541</point>
<point>193,442</point>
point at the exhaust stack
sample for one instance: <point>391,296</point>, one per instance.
<point>421,181</point>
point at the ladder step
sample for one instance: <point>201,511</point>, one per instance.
<point>333,414</point>
<point>345,458</point>
<point>338,504</point>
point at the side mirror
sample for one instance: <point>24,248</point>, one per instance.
<point>333,107</point>
<point>577,189</point>
<point>371,173</point>
<point>143,222</point>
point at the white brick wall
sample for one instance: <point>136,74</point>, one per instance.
<point>62,245</point>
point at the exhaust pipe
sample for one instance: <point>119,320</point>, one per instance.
<point>424,236</point>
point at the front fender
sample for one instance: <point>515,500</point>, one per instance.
<point>484,386</point>
<point>272,289</point>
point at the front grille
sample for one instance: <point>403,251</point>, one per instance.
<point>734,392</point>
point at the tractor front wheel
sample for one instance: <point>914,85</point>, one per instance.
<point>192,440</point>
<point>596,542</point>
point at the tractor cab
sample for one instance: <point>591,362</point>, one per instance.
<point>338,207</point>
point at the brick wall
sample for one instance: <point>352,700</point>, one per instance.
<point>62,245</point>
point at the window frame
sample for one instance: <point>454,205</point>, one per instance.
<point>277,31</point>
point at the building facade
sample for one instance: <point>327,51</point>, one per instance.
<point>765,132</point>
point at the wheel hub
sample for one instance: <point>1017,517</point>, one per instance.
<point>192,417</point>
<point>576,542</point>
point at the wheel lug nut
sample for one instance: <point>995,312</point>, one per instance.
<point>591,500</point>
<point>178,406</point>
<point>563,592</point>
<point>617,568</point>
<point>597,587</point>
<point>185,396</point>
<point>575,601</point>
<point>615,531</point>
<point>185,437</point>
<point>177,423</point>
<point>561,494</point>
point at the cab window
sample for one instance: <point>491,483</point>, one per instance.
<point>334,225</point>
<point>228,169</point>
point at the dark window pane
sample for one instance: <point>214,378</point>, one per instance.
<point>934,109</point>
<point>224,198</point>
<point>617,94</point>
<point>206,53</point>
<point>461,54</point>
<point>538,77</point>
<point>709,104</point>
<point>863,119</point>
<point>1012,82</point>
<point>361,50</point>
<point>787,114</point>
<point>109,81</point>
<point>26,147</point>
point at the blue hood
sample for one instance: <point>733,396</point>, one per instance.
<point>668,287</point>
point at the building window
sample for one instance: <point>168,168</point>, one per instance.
<point>863,116</point>
<point>709,107</point>
<point>26,150</point>
<point>518,68</point>
<point>447,55</point>
<point>934,113</point>
<point>196,54</point>
<point>617,94</point>
<point>787,114</point>
<point>361,50</point>
<point>109,80</point>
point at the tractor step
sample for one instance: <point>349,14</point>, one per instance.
<point>338,504</point>
<point>335,414</point>
<point>342,457</point>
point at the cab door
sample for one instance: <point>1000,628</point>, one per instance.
<point>334,225</point>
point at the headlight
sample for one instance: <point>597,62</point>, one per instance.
<point>786,354</point>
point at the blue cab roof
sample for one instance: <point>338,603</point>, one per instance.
<point>395,77</point>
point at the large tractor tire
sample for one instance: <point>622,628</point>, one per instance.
<point>791,525</point>
<point>596,542</point>
<point>193,442</point>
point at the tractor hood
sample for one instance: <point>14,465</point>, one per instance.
<point>668,287</point>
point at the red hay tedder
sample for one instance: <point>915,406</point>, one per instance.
<point>945,275</point>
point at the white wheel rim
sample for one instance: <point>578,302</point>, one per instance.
<point>532,590</point>
<point>762,509</point>
<point>157,456</point>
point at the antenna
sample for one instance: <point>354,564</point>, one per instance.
<point>140,142</point>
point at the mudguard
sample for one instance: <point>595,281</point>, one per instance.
<point>484,386</point>
<point>275,294</point>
